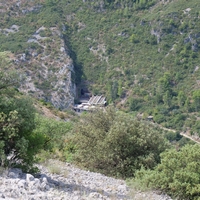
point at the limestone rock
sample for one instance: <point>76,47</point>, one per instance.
<point>77,185</point>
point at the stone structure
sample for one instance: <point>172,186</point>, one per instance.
<point>92,103</point>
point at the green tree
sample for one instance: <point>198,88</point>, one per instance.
<point>133,38</point>
<point>56,134</point>
<point>178,174</point>
<point>196,99</point>
<point>116,144</point>
<point>109,91</point>
<point>181,98</point>
<point>187,104</point>
<point>120,89</point>
<point>114,90</point>
<point>167,98</point>
<point>8,76</point>
<point>18,143</point>
<point>134,103</point>
<point>164,84</point>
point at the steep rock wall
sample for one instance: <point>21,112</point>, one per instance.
<point>48,68</point>
<point>45,61</point>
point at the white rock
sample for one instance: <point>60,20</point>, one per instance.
<point>22,184</point>
<point>12,175</point>
<point>122,188</point>
<point>44,186</point>
<point>29,177</point>
<point>94,195</point>
<point>44,179</point>
<point>47,187</point>
<point>78,185</point>
<point>36,182</point>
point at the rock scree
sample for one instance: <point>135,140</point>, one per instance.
<point>63,181</point>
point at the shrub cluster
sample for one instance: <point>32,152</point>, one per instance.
<point>178,174</point>
<point>18,142</point>
<point>116,144</point>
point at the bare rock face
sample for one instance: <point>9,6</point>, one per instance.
<point>18,7</point>
<point>48,68</point>
<point>45,62</point>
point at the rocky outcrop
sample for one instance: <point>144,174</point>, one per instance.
<point>67,182</point>
<point>157,33</point>
<point>44,60</point>
<point>18,7</point>
<point>192,39</point>
<point>48,68</point>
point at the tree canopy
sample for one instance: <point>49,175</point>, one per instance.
<point>18,143</point>
<point>178,174</point>
<point>117,144</point>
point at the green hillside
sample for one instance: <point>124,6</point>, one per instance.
<point>142,55</point>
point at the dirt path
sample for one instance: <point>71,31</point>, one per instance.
<point>189,137</point>
<point>182,133</point>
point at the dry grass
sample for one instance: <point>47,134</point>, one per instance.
<point>56,167</point>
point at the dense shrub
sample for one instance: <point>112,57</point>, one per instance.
<point>116,144</point>
<point>18,143</point>
<point>178,174</point>
<point>56,134</point>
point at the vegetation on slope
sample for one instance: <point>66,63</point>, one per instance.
<point>107,141</point>
<point>18,142</point>
<point>142,60</point>
<point>178,174</point>
<point>23,132</point>
<point>142,55</point>
<point>117,144</point>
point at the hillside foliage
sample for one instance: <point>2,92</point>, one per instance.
<point>117,144</point>
<point>178,174</point>
<point>142,55</point>
<point>18,143</point>
<point>23,132</point>
<point>106,140</point>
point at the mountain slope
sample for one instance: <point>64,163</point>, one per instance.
<point>142,55</point>
<point>39,52</point>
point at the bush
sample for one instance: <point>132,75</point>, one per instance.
<point>178,174</point>
<point>18,142</point>
<point>116,144</point>
<point>56,134</point>
<point>173,136</point>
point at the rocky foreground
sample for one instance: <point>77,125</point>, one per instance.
<point>58,181</point>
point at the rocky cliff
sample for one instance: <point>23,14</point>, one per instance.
<point>48,68</point>
<point>41,54</point>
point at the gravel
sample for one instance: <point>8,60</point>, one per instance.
<point>58,180</point>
